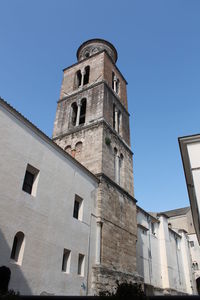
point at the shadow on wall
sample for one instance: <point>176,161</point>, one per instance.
<point>18,281</point>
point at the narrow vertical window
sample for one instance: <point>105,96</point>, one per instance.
<point>74,109</point>
<point>117,86</point>
<point>114,115</point>
<point>30,180</point>
<point>116,166</point>
<point>81,259</point>
<point>78,208</point>
<point>86,75</point>
<point>66,261</point>
<point>121,168</point>
<point>78,78</point>
<point>18,247</point>
<point>82,111</point>
<point>113,79</point>
<point>119,121</point>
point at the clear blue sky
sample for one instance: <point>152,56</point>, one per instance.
<point>158,44</point>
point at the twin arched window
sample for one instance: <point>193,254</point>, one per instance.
<point>78,112</point>
<point>18,247</point>
<point>82,77</point>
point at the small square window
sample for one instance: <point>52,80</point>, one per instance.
<point>81,260</point>
<point>78,208</point>
<point>30,180</point>
<point>191,244</point>
<point>66,261</point>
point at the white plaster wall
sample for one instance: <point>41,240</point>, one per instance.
<point>163,258</point>
<point>194,157</point>
<point>47,219</point>
<point>148,258</point>
<point>195,254</point>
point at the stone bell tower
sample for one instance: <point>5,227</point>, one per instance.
<point>92,124</point>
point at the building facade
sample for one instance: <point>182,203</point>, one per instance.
<point>190,149</point>
<point>45,193</point>
<point>167,252</point>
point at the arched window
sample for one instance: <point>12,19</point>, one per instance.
<point>86,75</point>
<point>74,109</point>
<point>121,159</point>
<point>18,247</point>
<point>113,79</point>
<point>116,166</point>
<point>78,79</point>
<point>83,111</point>
<point>78,149</point>
<point>68,149</point>
<point>117,86</point>
<point>195,265</point>
<point>114,108</point>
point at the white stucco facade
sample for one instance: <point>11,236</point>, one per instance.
<point>163,256</point>
<point>190,152</point>
<point>46,216</point>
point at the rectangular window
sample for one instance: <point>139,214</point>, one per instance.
<point>191,244</point>
<point>30,180</point>
<point>66,261</point>
<point>81,260</point>
<point>78,208</point>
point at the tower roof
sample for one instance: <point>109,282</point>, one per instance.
<point>93,46</point>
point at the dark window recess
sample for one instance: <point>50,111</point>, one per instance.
<point>82,112</point>
<point>113,77</point>
<point>79,77</point>
<point>14,248</point>
<point>87,75</point>
<point>28,182</point>
<point>76,209</point>
<point>74,113</point>
<point>113,115</point>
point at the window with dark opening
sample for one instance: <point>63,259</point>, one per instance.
<point>30,180</point>
<point>18,247</point>
<point>66,261</point>
<point>83,111</point>
<point>78,210</point>
<point>117,86</point>
<point>87,74</point>
<point>74,109</point>
<point>114,116</point>
<point>81,264</point>
<point>78,78</point>
<point>113,79</point>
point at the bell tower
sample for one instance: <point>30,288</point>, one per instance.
<point>92,124</point>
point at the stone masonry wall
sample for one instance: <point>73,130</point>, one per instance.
<point>118,246</point>
<point>109,67</point>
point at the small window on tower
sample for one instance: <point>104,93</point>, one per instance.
<point>78,208</point>
<point>82,112</point>
<point>78,78</point>
<point>74,109</point>
<point>87,75</point>
<point>30,180</point>
<point>113,79</point>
